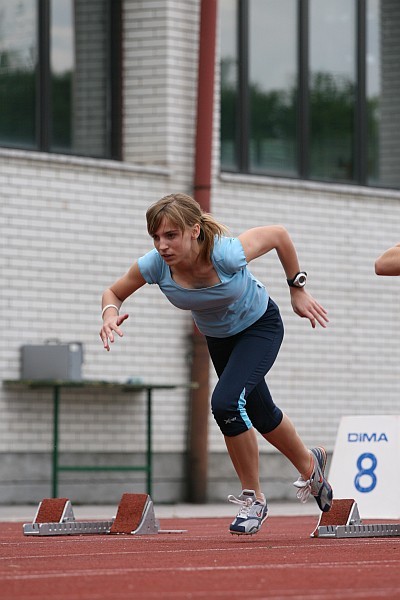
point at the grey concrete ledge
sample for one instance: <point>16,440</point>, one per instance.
<point>51,159</point>
<point>26,513</point>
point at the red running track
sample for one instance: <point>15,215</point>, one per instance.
<point>281,562</point>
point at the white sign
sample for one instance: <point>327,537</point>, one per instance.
<point>366,464</point>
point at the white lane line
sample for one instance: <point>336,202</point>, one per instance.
<point>128,570</point>
<point>231,548</point>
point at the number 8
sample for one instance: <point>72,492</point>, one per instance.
<point>367,472</point>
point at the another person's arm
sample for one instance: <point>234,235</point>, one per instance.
<point>112,300</point>
<point>389,262</point>
<point>261,240</point>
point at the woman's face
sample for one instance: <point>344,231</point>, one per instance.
<point>173,245</point>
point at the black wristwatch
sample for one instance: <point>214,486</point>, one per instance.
<point>299,280</point>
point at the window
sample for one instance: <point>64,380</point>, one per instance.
<point>332,90</point>
<point>59,68</point>
<point>310,89</point>
<point>229,85</point>
<point>272,93</point>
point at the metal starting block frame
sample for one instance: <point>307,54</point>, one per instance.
<point>343,521</point>
<point>135,516</point>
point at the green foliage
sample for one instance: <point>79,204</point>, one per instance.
<point>18,92</point>
<point>332,103</point>
<point>273,124</point>
<point>18,107</point>
<point>62,111</point>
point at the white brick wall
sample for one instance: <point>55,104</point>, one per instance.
<point>69,226</point>
<point>160,76</point>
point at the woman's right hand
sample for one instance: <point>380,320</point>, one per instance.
<point>110,325</point>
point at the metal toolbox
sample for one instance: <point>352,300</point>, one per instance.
<point>52,360</point>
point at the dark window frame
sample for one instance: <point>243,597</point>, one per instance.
<point>43,83</point>
<point>303,113</point>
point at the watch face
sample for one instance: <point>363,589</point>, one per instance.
<point>300,280</point>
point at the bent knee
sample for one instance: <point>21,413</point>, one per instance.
<point>228,417</point>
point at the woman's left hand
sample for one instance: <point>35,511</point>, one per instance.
<point>305,306</point>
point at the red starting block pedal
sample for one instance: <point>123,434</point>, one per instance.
<point>342,512</point>
<point>135,516</point>
<point>54,510</point>
<point>343,520</point>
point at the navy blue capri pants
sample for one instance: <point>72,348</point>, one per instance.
<point>241,398</point>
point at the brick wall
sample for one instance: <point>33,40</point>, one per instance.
<point>69,228</point>
<point>160,75</point>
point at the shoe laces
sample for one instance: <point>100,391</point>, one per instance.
<point>304,489</point>
<point>245,505</point>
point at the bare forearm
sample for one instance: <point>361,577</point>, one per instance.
<point>123,288</point>
<point>287,254</point>
<point>389,262</point>
<point>111,300</point>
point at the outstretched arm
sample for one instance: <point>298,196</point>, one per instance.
<point>112,300</point>
<point>261,240</point>
<point>389,262</point>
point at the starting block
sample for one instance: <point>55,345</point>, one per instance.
<point>135,516</point>
<point>343,521</point>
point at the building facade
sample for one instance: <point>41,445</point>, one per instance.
<point>99,121</point>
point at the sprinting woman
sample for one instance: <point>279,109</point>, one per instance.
<point>200,268</point>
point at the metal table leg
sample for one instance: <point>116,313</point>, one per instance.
<point>56,405</point>
<point>149,443</point>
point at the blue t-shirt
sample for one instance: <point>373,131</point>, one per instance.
<point>223,309</point>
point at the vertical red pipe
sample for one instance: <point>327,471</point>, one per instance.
<point>205,103</point>
<point>198,425</point>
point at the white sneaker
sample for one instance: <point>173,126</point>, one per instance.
<point>252,514</point>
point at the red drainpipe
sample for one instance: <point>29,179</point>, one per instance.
<point>200,404</point>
